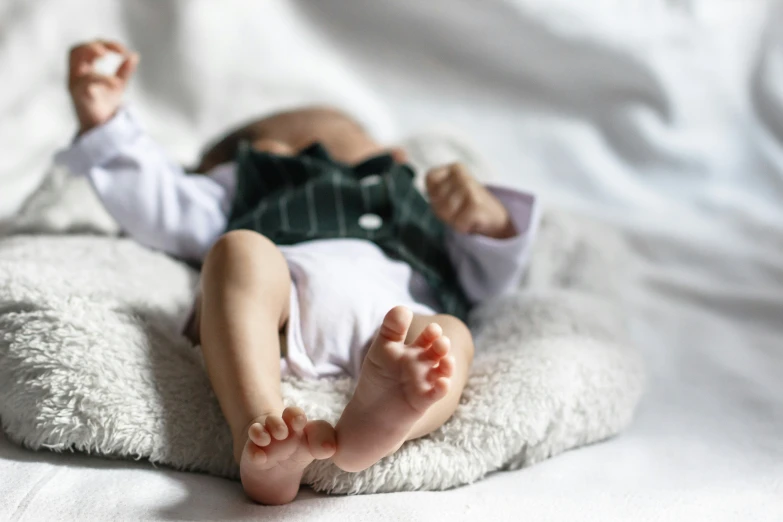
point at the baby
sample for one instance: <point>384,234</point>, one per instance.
<point>320,258</point>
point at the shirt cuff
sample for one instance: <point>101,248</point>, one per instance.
<point>523,210</point>
<point>100,145</point>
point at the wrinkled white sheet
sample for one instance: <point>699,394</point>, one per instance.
<point>664,117</point>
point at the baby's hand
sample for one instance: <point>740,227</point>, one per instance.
<point>465,205</point>
<point>96,97</point>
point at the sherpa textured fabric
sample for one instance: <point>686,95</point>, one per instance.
<point>91,360</point>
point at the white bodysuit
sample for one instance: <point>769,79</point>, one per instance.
<point>341,288</point>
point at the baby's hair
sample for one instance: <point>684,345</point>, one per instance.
<point>225,149</point>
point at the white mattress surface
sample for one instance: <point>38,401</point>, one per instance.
<point>662,117</point>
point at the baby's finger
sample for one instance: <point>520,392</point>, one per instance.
<point>437,174</point>
<point>464,220</point>
<point>444,190</point>
<point>127,67</point>
<point>85,51</point>
<point>81,58</point>
<point>460,172</point>
<point>447,209</point>
<point>87,82</point>
<point>90,51</point>
<point>435,180</point>
<point>113,45</point>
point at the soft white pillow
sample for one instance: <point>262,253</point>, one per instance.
<point>91,359</point>
<point>63,203</point>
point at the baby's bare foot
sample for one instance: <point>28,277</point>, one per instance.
<point>397,385</point>
<point>277,450</point>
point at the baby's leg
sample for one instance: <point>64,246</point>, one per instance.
<point>410,384</point>
<point>246,288</point>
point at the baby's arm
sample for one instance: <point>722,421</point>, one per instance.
<point>149,195</point>
<point>491,230</point>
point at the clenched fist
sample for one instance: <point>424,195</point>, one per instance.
<point>465,205</point>
<point>96,97</point>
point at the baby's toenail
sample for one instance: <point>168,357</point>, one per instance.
<point>300,418</point>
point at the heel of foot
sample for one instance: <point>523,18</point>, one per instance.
<point>281,492</point>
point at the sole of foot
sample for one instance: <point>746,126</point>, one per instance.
<point>398,384</point>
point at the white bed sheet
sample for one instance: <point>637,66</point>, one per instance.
<point>664,117</point>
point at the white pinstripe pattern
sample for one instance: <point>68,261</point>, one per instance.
<point>391,190</point>
<point>405,206</point>
<point>420,245</point>
<point>312,215</point>
<point>366,207</point>
<point>338,203</point>
<point>425,246</point>
<point>391,184</point>
<point>286,179</point>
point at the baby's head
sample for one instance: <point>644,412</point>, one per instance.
<point>289,132</point>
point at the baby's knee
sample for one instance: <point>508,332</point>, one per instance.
<point>239,244</point>
<point>246,250</point>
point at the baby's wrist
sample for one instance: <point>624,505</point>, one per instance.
<point>497,221</point>
<point>89,122</point>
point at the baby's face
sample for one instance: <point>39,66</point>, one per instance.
<point>287,133</point>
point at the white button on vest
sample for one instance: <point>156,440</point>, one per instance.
<point>372,179</point>
<point>370,221</point>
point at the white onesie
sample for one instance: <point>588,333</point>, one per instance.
<point>341,288</point>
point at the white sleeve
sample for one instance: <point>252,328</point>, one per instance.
<point>150,196</point>
<point>488,267</point>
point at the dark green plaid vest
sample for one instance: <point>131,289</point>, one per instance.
<point>291,199</point>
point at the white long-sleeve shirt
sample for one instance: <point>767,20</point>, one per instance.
<point>161,206</point>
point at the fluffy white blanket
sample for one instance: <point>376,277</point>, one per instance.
<point>90,359</point>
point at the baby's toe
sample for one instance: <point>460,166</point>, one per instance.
<point>276,427</point>
<point>258,435</point>
<point>425,339</point>
<point>439,348</point>
<point>321,439</point>
<point>395,324</point>
<point>295,418</point>
<point>445,368</point>
<point>255,454</point>
<point>439,389</point>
